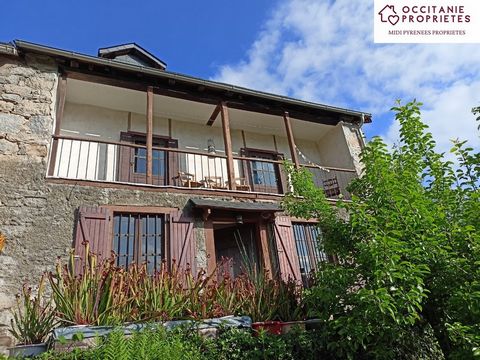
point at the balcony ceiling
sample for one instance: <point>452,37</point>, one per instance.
<point>120,99</point>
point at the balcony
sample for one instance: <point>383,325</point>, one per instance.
<point>117,162</point>
<point>175,140</point>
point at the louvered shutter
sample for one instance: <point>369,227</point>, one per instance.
<point>287,253</point>
<point>93,226</point>
<point>182,241</point>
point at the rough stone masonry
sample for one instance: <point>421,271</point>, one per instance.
<point>38,217</point>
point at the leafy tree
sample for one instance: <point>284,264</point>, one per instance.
<point>409,250</point>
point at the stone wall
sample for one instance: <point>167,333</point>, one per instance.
<point>355,142</point>
<point>27,88</point>
<point>37,217</point>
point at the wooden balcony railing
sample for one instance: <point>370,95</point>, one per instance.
<point>110,161</point>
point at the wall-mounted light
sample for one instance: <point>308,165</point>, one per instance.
<point>211,147</point>
<point>239,219</point>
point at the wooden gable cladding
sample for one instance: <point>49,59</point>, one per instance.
<point>93,225</point>
<point>287,253</point>
<point>182,246</point>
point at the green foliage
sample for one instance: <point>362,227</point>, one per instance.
<point>151,344</point>
<point>33,318</point>
<point>185,343</point>
<point>476,111</point>
<point>409,244</point>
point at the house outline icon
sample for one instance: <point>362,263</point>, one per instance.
<point>383,16</point>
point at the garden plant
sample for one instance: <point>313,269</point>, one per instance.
<point>408,282</point>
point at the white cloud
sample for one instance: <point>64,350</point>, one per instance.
<point>324,51</point>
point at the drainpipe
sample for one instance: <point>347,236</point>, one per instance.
<point>360,134</point>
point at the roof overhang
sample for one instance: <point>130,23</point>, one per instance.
<point>235,205</point>
<point>175,84</point>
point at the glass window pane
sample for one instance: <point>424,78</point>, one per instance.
<point>141,165</point>
<point>152,241</point>
<point>155,170</point>
<point>308,241</point>
<point>124,239</point>
<point>271,179</point>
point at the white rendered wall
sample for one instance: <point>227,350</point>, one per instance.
<point>89,160</point>
<point>334,149</point>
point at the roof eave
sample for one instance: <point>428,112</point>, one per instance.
<point>24,45</point>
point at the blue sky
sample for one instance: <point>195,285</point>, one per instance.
<point>193,37</point>
<point>316,50</point>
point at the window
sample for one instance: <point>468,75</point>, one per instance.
<point>133,160</point>
<point>139,238</point>
<point>264,175</point>
<point>158,160</point>
<point>307,241</point>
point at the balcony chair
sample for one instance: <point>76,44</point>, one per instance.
<point>185,179</point>
<point>214,182</point>
<point>240,184</point>
<point>331,187</point>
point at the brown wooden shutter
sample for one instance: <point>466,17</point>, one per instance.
<point>182,241</point>
<point>283,176</point>
<point>93,226</point>
<point>125,157</point>
<point>287,253</point>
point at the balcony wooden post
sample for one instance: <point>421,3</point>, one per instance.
<point>228,145</point>
<point>61,95</point>
<point>291,141</point>
<point>149,134</point>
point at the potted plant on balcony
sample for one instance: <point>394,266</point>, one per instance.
<point>33,320</point>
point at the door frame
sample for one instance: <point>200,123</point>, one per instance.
<point>260,231</point>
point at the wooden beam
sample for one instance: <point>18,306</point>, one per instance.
<point>149,134</point>
<point>61,95</point>
<point>129,121</point>
<point>214,115</point>
<point>228,145</point>
<point>210,247</point>
<point>264,245</point>
<point>291,141</point>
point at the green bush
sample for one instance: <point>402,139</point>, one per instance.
<point>185,343</point>
<point>147,344</point>
<point>408,279</point>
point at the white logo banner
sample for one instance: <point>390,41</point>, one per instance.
<point>427,21</point>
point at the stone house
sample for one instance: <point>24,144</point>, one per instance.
<point>155,165</point>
